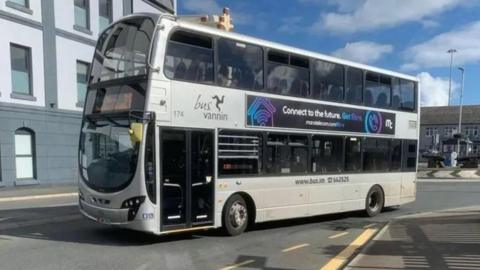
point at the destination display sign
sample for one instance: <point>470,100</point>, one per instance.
<point>272,112</point>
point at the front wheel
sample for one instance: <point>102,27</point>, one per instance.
<point>374,201</point>
<point>235,215</point>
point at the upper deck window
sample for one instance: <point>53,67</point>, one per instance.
<point>189,57</point>
<point>240,65</point>
<point>378,90</point>
<point>403,95</point>
<point>354,86</point>
<point>122,50</point>
<point>328,81</point>
<point>288,74</point>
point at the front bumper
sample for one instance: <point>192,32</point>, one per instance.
<point>104,215</point>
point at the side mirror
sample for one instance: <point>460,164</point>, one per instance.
<point>136,132</point>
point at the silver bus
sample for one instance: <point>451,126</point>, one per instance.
<point>187,127</point>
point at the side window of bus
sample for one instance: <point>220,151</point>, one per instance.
<point>299,154</point>
<point>407,95</point>
<point>239,153</point>
<point>376,154</point>
<point>396,154</point>
<point>287,74</point>
<point>410,155</point>
<point>353,154</point>
<point>354,86</point>
<point>327,154</point>
<point>189,57</point>
<point>328,81</point>
<point>240,65</point>
<point>278,155</point>
<point>378,90</point>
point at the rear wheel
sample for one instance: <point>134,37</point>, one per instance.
<point>374,201</point>
<point>235,215</point>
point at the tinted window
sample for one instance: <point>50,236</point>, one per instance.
<point>396,155</point>
<point>239,153</point>
<point>354,86</point>
<point>122,51</point>
<point>376,154</point>
<point>278,155</point>
<point>126,97</point>
<point>377,90</point>
<point>189,57</point>
<point>327,154</point>
<point>287,75</point>
<point>240,65</point>
<point>299,154</point>
<point>328,81</point>
<point>407,95</point>
<point>410,155</point>
<point>353,154</point>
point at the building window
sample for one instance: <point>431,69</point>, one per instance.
<point>475,132</point>
<point>25,153</point>
<point>82,80</point>
<point>23,3</point>
<point>82,14</point>
<point>21,69</point>
<point>428,132</point>
<point>106,13</point>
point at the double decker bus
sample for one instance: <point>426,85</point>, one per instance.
<point>187,127</point>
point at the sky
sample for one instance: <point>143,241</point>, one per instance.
<point>408,36</point>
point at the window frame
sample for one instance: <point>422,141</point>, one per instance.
<point>88,17</point>
<point>33,153</point>
<point>29,62</point>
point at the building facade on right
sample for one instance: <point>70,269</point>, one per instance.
<point>438,125</point>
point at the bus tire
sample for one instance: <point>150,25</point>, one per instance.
<point>235,215</point>
<point>374,201</point>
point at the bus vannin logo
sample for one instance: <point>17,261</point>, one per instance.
<point>373,122</point>
<point>260,112</point>
<point>219,101</point>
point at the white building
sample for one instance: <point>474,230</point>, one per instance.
<point>45,51</point>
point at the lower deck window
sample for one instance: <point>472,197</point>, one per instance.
<point>327,154</point>
<point>376,155</point>
<point>353,154</point>
<point>239,153</point>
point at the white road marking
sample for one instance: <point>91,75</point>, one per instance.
<point>295,247</point>
<point>338,235</point>
<point>38,197</point>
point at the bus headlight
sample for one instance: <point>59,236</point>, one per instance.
<point>133,204</point>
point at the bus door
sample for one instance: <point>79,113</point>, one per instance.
<point>187,184</point>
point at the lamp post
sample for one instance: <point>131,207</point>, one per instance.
<point>451,52</point>
<point>461,108</point>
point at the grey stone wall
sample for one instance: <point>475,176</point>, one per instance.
<point>56,144</point>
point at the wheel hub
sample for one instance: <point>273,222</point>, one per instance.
<point>238,214</point>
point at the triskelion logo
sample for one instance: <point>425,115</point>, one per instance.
<point>261,112</point>
<point>219,102</point>
<point>373,122</point>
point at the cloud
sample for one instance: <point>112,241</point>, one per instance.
<point>434,90</point>
<point>363,51</point>
<point>433,53</point>
<point>375,14</point>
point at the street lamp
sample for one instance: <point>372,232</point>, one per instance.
<point>451,52</point>
<point>461,108</point>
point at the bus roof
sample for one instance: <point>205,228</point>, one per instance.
<point>281,47</point>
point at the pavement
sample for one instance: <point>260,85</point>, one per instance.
<point>38,196</point>
<point>44,235</point>
<point>437,240</point>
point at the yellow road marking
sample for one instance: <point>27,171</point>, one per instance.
<point>338,261</point>
<point>237,265</point>
<point>295,247</point>
<point>36,197</point>
<point>338,235</point>
<point>369,225</point>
